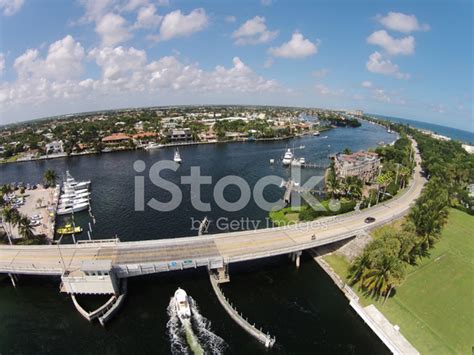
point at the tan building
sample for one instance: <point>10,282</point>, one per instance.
<point>116,138</point>
<point>364,165</point>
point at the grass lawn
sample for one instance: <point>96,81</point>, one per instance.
<point>434,306</point>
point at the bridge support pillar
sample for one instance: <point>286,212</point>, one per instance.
<point>223,274</point>
<point>12,278</point>
<point>295,257</point>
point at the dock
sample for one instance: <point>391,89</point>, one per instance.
<point>258,334</point>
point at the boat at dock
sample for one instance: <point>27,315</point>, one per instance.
<point>72,209</point>
<point>153,145</point>
<point>287,158</point>
<point>177,157</point>
<point>69,229</point>
<point>316,133</point>
<point>183,309</point>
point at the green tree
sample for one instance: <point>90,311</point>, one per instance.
<point>24,227</point>
<point>50,177</point>
<point>10,220</point>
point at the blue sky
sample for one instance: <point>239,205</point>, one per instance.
<point>410,59</point>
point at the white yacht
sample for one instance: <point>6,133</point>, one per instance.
<point>72,209</point>
<point>68,202</point>
<point>153,145</point>
<point>302,161</point>
<point>182,305</point>
<point>72,183</point>
<point>316,133</point>
<point>288,157</point>
<point>177,157</point>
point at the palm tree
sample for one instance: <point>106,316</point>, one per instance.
<point>24,227</point>
<point>50,177</point>
<point>403,174</point>
<point>385,274</point>
<point>10,219</point>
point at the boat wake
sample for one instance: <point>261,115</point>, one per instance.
<point>194,336</point>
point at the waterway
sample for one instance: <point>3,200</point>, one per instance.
<point>302,308</point>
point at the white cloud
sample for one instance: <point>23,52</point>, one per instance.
<point>57,79</point>
<point>147,17</point>
<point>175,24</point>
<point>117,63</point>
<point>393,46</point>
<point>400,22</point>
<point>297,47</point>
<point>325,91</point>
<point>253,31</point>
<point>11,7</point>
<point>230,19</point>
<point>95,9</point>
<point>2,63</point>
<point>112,29</point>
<point>321,73</point>
<point>377,64</point>
<point>366,84</point>
<point>64,61</point>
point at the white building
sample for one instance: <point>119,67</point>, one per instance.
<point>54,147</point>
<point>363,165</point>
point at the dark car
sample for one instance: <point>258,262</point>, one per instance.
<point>369,220</point>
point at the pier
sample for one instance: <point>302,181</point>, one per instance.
<point>258,334</point>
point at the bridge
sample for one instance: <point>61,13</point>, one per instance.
<point>214,251</point>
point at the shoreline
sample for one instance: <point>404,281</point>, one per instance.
<point>168,145</point>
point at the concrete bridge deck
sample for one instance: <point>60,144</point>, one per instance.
<point>144,257</point>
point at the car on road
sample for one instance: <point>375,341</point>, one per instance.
<point>369,220</point>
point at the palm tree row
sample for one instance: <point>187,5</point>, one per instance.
<point>381,266</point>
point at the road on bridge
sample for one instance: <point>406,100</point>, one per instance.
<point>140,257</point>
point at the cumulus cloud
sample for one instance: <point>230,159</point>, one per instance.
<point>112,29</point>
<point>393,46</point>
<point>366,84</point>
<point>400,22</point>
<point>124,71</point>
<point>11,7</point>
<point>147,17</point>
<point>296,48</point>
<point>176,24</point>
<point>321,73</point>
<point>63,61</point>
<point>377,64</point>
<point>253,31</point>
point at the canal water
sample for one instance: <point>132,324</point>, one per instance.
<point>302,308</point>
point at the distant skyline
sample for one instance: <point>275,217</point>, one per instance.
<point>397,58</point>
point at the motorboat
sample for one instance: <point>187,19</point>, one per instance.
<point>73,201</point>
<point>69,229</point>
<point>302,161</point>
<point>288,157</point>
<point>72,183</point>
<point>316,133</point>
<point>177,157</point>
<point>72,209</point>
<point>72,194</point>
<point>183,310</point>
<point>153,145</point>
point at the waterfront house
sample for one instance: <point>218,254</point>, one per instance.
<point>179,135</point>
<point>54,147</point>
<point>116,138</point>
<point>363,165</point>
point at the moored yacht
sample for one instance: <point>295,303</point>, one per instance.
<point>72,209</point>
<point>316,133</point>
<point>177,157</point>
<point>153,145</point>
<point>183,309</point>
<point>288,157</point>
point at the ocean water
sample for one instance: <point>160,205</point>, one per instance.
<point>453,133</point>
